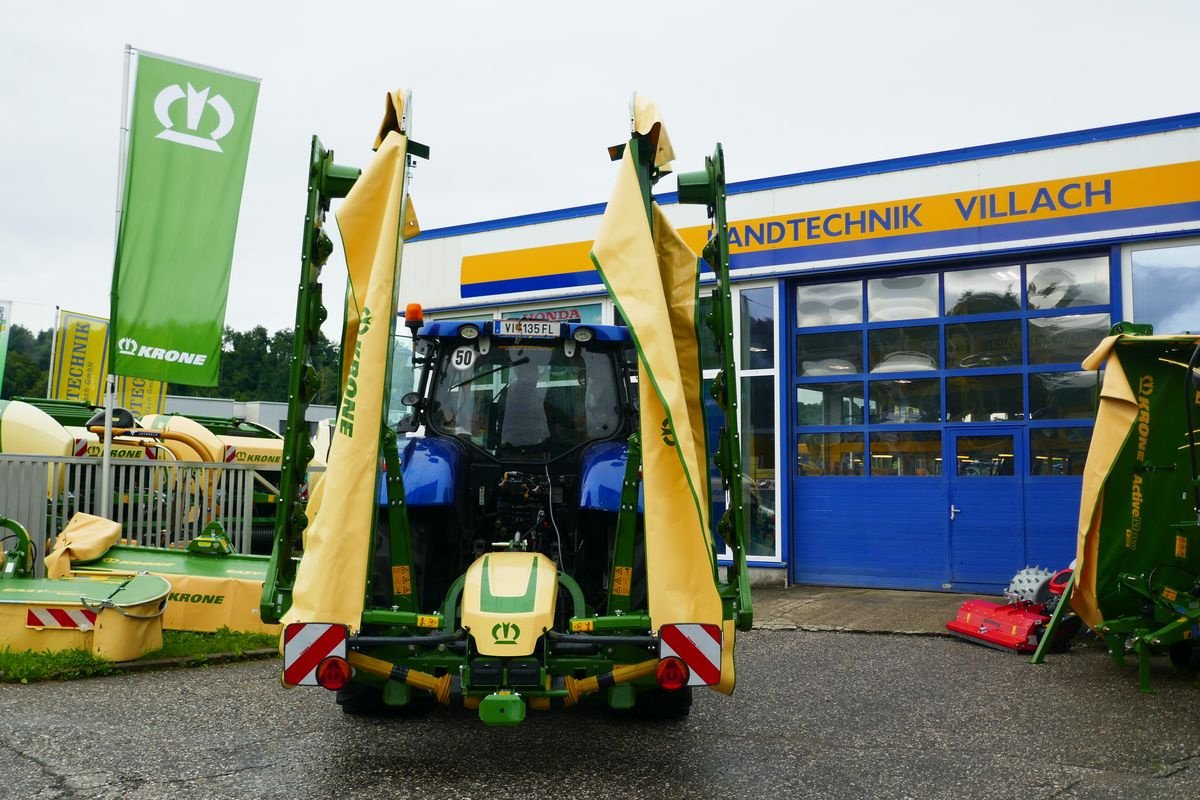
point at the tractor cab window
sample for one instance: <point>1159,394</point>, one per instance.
<point>526,402</point>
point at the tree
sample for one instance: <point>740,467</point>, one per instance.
<point>28,363</point>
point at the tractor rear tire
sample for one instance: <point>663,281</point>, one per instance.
<point>1185,656</point>
<point>661,704</point>
<point>360,700</point>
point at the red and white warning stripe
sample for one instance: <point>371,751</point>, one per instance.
<point>699,645</point>
<point>80,448</point>
<point>79,618</point>
<point>307,644</point>
<point>230,454</point>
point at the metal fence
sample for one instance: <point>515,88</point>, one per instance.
<point>157,503</point>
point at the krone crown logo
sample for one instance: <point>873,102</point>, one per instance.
<point>127,346</point>
<point>196,103</point>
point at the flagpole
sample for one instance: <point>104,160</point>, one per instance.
<point>53,349</point>
<point>106,460</point>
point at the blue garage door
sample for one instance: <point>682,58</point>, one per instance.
<point>940,422</point>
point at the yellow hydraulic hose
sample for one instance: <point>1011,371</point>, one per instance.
<point>622,674</point>
<point>420,680</point>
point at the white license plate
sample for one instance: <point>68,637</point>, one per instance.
<point>529,327</point>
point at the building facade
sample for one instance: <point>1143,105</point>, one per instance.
<point>909,341</point>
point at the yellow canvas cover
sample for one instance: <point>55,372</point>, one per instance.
<point>331,578</point>
<point>86,537</point>
<point>652,276</point>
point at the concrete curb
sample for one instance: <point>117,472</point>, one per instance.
<point>195,661</point>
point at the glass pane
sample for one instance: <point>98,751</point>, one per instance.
<point>986,398</point>
<point>1058,451</point>
<point>1166,288</point>
<point>829,304</point>
<point>758,328</point>
<point>909,453</point>
<point>829,454</point>
<point>1064,284</point>
<point>903,349</point>
<point>708,342</point>
<point>1063,395</point>
<point>1065,340</point>
<point>975,345</point>
<point>907,297</point>
<point>985,456</point>
<point>837,354</point>
<point>829,404</point>
<point>983,291</point>
<point>906,401</point>
<point>588,313</point>
<point>758,460</point>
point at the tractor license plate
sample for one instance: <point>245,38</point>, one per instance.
<point>536,328</point>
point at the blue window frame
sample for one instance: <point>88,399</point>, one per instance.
<point>883,366</point>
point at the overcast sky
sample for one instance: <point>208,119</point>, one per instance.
<point>518,101</point>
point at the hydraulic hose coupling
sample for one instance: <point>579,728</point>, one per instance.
<point>578,687</point>
<point>440,687</point>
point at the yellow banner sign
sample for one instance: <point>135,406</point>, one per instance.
<point>80,358</point>
<point>81,362</point>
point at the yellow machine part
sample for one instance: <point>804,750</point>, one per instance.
<point>261,452</point>
<point>27,430</point>
<point>208,445</point>
<point>508,602</point>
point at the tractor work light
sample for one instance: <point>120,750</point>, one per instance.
<point>468,332</point>
<point>333,673</point>
<point>672,673</point>
<point>583,334</point>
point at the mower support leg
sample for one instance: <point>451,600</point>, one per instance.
<point>1064,603</point>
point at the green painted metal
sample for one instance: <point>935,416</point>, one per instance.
<point>399,539</point>
<point>635,621</point>
<point>707,188</point>
<point>1147,564</point>
<point>502,709</point>
<point>164,561</point>
<point>118,591</point>
<point>18,559</point>
<point>625,544</point>
<point>1060,612</point>
<point>326,181</point>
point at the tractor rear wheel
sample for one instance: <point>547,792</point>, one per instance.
<point>661,704</point>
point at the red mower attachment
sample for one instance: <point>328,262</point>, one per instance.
<point>1008,626</point>
<point>1017,625</point>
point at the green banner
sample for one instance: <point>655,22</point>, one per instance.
<point>189,137</point>
<point>5,318</point>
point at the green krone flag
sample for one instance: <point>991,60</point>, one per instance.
<point>189,138</point>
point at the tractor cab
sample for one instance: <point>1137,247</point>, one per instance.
<point>522,391</point>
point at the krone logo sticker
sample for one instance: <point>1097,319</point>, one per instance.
<point>197,101</point>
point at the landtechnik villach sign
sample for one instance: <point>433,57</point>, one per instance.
<point>1077,207</point>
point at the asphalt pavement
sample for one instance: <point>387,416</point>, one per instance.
<point>831,608</point>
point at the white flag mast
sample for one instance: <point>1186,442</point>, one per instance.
<point>106,460</point>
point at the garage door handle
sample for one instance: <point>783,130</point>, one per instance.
<point>954,510</point>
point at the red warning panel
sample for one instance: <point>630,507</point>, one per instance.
<point>698,644</point>
<point>307,644</point>
<point>81,618</point>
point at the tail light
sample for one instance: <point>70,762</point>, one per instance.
<point>672,673</point>
<point>333,673</point>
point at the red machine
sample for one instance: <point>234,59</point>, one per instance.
<point>1018,624</point>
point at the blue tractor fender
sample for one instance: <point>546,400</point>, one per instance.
<point>602,471</point>
<point>429,467</point>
